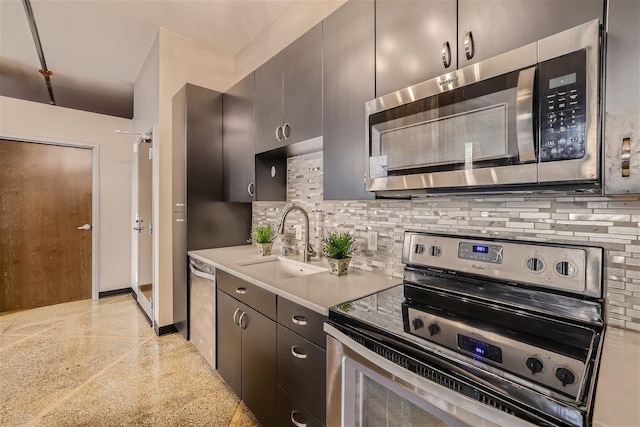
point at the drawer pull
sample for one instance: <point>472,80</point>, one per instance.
<point>235,313</point>
<point>296,423</point>
<point>241,291</point>
<point>296,353</point>
<point>242,325</point>
<point>299,320</point>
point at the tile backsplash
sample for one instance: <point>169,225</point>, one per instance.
<point>610,222</point>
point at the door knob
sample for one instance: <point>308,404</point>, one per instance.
<point>85,227</point>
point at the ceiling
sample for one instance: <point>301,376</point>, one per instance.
<point>96,48</point>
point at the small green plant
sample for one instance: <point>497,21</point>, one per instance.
<point>338,245</point>
<point>345,308</point>
<point>264,234</point>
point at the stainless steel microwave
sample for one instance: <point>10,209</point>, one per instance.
<point>527,120</point>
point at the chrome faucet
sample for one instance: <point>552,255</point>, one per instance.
<point>308,250</point>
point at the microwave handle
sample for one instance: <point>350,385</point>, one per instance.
<point>524,115</point>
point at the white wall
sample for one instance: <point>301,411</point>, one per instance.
<point>43,122</point>
<point>146,90</point>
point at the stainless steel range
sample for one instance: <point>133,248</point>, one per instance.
<point>481,331</point>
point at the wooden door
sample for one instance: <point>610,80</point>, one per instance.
<point>45,195</point>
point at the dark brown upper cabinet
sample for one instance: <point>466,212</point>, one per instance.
<point>288,90</point>
<point>237,141</point>
<point>349,82</point>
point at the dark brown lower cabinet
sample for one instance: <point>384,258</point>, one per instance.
<point>302,370</point>
<point>292,413</point>
<point>247,356</point>
<point>301,364</point>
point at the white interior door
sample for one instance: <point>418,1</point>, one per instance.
<point>143,227</point>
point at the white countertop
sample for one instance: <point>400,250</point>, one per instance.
<point>617,401</point>
<point>618,390</point>
<point>317,292</point>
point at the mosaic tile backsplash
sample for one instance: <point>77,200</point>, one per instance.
<point>610,222</point>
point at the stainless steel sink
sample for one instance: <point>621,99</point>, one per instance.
<point>279,268</point>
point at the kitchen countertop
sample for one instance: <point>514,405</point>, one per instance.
<point>317,292</point>
<point>618,389</point>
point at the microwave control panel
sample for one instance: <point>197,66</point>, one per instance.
<point>562,103</point>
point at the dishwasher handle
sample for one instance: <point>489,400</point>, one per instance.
<point>194,270</point>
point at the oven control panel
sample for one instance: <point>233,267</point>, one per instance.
<point>554,371</point>
<point>484,252</point>
<point>561,267</point>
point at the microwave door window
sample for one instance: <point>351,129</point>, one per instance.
<point>464,132</point>
<point>465,128</point>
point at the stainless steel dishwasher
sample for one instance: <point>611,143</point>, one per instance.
<point>202,308</point>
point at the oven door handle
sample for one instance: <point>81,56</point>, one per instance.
<point>524,115</point>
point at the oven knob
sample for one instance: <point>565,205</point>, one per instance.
<point>535,264</point>
<point>565,268</point>
<point>534,365</point>
<point>417,323</point>
<point>434,329</point>
<point>435,251</point>
<point>565,376</point>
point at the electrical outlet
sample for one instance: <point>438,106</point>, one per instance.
<point>298,229</point>
<point>372,241</point>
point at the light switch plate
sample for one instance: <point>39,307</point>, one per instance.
<point>372,241</point>
<point>298,229</point>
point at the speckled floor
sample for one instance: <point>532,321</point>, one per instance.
<point>98,363</point>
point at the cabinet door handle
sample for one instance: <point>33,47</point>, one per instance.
<point>250,188</point>
<point>278,133</point>
<point>299,320</point>
<point>242,325</point>
<point>296,423</point>
<point>286,133</point>
<point>241,291</point>
<point>468,45</point>
<point>446,54</point>
<point>626,157</point>
<point>296,353</point>
<point>235,313</point>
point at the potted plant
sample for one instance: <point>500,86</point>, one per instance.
<point>264,235</point>
<point>338,248</point>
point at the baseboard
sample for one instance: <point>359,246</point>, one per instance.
<point>164,330</point>
<point>115,292</point>
<point>144,313</point>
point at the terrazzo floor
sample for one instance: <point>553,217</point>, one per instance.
<point>98,363</point>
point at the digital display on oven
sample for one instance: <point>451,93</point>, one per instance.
<point>481,249</point>
<point>480,348</point>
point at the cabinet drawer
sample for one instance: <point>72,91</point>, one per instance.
<point>290,411</point>
<point>250,294</point>
<point>301,370</point>
<point>302,321</point>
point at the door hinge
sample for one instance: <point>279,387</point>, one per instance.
<point>150,153</point>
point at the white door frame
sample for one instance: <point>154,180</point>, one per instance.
<point>95,198</point>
